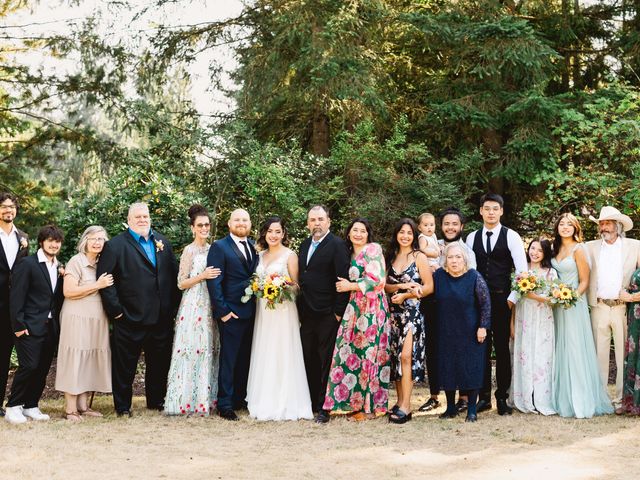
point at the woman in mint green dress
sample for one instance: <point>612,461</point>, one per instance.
<point>577,388</point>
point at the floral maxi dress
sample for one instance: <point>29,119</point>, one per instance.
<point>192,385</point>
<point>631,386</point>
<point>360,370</point>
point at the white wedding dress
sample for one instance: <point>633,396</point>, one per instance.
<point>277,387</point>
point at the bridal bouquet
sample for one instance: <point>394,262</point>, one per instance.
<point>562,295</point>
<point>275,288</point>
<point>526,282</point>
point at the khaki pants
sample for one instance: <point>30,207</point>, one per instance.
<point>608,322</point>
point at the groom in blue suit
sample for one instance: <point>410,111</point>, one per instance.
<point>236,258</point>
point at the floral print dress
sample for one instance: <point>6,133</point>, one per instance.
<point>192,385</point>
<point>631,386</point>
<point>360,370</point>
<point>407,318</point>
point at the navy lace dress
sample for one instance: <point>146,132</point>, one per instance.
<point>407,318</point>
<point>464,305</point>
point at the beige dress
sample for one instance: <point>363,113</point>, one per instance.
<point>84,356</point>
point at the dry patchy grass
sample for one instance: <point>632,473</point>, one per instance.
<point>150,446</point>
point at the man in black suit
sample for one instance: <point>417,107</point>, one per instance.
<point>323,258</point>
<point>35,301</point>
<point>14,246</point>
<point>142,304</point>
<point>236,258</point>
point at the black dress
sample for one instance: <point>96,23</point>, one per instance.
<point>464,305</point>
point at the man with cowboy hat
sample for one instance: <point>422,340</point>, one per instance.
<point>613,260</point>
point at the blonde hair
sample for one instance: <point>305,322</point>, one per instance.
<point>84,239</point>
<point>426,215</point>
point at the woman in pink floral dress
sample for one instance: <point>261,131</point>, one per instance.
<point>360,371</point>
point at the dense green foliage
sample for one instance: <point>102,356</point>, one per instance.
<point>379,108</point>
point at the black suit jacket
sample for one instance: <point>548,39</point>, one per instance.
<point>226,290</point>
<point>318,279</point>
<point>5,274</point>
<point>32,298</point>
<point>144,293</point>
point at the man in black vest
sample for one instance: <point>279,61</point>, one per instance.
<point>14,246</point>
<point>498,251</point>
<point>323,258</point>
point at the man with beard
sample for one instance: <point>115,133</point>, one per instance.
<point>13,247</point>
<point>613,260</point>
<point>452,225</point>
<point>237,259</point>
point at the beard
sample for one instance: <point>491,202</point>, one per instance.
<point>457,237</point>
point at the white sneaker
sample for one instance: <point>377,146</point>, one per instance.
<point>14,415</point>
<point>35,414</point>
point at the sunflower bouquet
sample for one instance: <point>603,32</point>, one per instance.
<point>526,282</point>
<point>562,295</point>
<point>275,288</point>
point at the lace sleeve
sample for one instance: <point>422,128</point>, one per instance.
<point>186,262</point>
<point>483,300</point>
<point>373,278</point>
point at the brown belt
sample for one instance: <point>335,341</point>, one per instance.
<point>611,303</point>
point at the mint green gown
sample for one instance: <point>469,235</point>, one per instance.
<point>577,388</point>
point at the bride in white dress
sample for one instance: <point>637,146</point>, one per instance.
<point>277,388</point>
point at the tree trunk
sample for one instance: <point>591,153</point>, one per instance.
<point>320,140</point>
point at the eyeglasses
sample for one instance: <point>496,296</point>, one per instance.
<point>96,240</point>
<point>7,207</point>
<point>202,225</point>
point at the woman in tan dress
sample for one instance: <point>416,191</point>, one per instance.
<point>84,356</point>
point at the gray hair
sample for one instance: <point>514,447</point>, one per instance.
<point>84,239</point>
<point>620,229</point>
<point>463,250</point>
<point>136,206</point>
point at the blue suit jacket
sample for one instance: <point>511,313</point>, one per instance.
<point>226,290</point>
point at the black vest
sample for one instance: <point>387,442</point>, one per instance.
<point>496,267</point>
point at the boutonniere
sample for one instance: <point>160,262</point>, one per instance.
<point>24,243</point>
<point>61,269</point>
<point>159,245</point>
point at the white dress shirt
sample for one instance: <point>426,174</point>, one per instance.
<point>610,270</point>
<point>10,244</point>
<point>52,268</point>
<point>237,241</point>
<point>514,244</point>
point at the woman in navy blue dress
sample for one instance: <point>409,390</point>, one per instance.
<point>464,316</point>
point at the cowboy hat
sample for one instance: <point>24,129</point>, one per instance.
<point>612,213</point>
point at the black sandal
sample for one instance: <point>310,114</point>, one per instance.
<point>393,409</point>
<point>399,417</point>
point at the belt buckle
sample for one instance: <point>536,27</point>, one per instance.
<point>610,302</point>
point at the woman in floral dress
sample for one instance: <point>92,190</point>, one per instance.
<point>409,278</point>
<point>192,385</point>
<point>631,386</point>
<point>359,377</point>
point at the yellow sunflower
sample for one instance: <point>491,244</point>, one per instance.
<point>255,287</point>
<point>270,292</point>
<point>565,294</point>
<point>524,284</point>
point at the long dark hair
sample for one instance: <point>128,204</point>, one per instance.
<point>394,246</point>
<point>262,237</point>
<point>557,239</point>
<point>366,224</point>
<point>547,252</point>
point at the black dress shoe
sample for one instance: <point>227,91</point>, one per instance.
<point>2,412</point>
<point>461,405</point>
<point>322,417</point>
<point>448,415</point>
<point>124,413</point>
<point>471,417</point>
<point>241,405</point>
<point>430,404</point>
<point>228,415</point>
<point>159,407</point>
<point>503,408</point>
<point>483,405</point>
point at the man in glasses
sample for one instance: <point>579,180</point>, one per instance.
<point>14,246</point>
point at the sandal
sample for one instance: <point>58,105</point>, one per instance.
<point>89,413</point>
<point>393,409</point>
<point>399,417</point>
<point>73,416</point>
